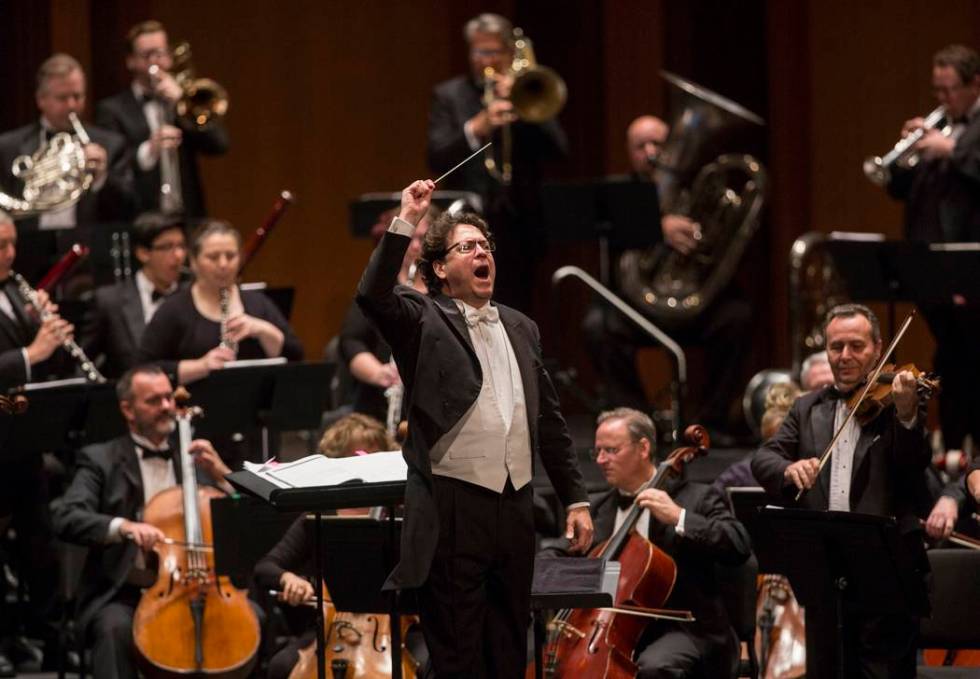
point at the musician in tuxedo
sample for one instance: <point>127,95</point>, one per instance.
<point>876,468</point>
<point>723,328</point>
<point>103,506</point>
<point>693,524</point>
<point>61,90</point>
<point>460,122</point>
<point>120,312</point>
<point>942,204</point>
<point>144,113</point>
<point>479,404</point>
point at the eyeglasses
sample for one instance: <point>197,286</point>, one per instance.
<point>467,246</point>
<point>608,451</point>
<point>157,53</point>
<point>169,247</point>
<point>487,53</point>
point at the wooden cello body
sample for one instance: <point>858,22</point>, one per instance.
<point>191,622</point>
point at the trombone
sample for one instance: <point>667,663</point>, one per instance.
<point>538,94</point>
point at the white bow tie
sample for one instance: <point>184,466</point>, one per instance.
<point>486,314</point>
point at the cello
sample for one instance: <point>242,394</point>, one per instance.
<point>191,622</point>
<point>599,643</point>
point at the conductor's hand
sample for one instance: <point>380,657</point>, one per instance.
<point>578,530</point>
<point>942,518</point>
<point>681,233</point>
<point>904,395</point>
<point>803,473</point>
<point>143,534</point>
<point>293,589</point>
<point>662,508</point>
<point>206,456</point>
<point>415,200</point>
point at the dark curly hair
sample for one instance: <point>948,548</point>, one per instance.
<point>437,240</point>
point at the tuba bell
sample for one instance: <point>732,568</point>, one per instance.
<point>697,175</point>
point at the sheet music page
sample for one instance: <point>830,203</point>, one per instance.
<point>318,470</point>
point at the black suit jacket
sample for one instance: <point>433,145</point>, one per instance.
<point>115,201</point>
<point>13,337</point>
<point>435,357</point>
<point>124,114</point>
<point>107,484</point>
<point>887,477</point>
<point>943,196</point>
<point>453,103</point>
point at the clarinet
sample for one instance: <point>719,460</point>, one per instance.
<point>224,306</point>
<point>88,368</point>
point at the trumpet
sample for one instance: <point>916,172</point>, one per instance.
<point>878,169</point>
<point>55,177</point>
<point>538,94</point>
<point>87,367</point>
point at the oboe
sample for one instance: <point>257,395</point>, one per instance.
<point>88,368</point>
<point>224,307</point>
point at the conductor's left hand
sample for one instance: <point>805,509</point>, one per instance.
<point>415,200</point>
<point>578,530</point>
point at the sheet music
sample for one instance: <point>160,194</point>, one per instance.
<point>318,470</point>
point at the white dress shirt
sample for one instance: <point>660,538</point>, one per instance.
<point>156,473</point>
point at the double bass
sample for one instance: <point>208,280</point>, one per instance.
<point>599,643</point>
<point>191,622</point>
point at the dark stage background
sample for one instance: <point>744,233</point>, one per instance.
<point>330,99</point>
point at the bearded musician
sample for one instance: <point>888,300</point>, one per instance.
<point>689,521</point>
<point>876,468</point>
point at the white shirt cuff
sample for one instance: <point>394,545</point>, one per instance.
<point>114,534</point>
<point>27,364</point>
<point>471,139</point>
<point>401,227</point>
<point>576,505</point>
<point>145,157</point>
<point>679,528</point>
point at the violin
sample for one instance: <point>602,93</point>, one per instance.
<point>599,643</point>
<point>879,396</point>
<point>191,621</point>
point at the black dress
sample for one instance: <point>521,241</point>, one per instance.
<point>359,335</point>
<point>178,332</point>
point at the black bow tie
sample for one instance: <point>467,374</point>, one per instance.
<point>49,134</point>
<point>149,454</point>
<point>624,501</point>
<point>156,295</point>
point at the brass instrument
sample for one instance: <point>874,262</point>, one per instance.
<point>88,368</point>
<point>538,94</point>
<point>55,177</point>
<point>171,195</point>
<point>725,196</point>
<point>878,169</point>
<point>204,99</point>
<point>224,307</point>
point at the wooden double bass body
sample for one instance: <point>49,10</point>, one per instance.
<point>191,622</point>
<point>599,643</point>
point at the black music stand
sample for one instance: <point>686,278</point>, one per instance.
<point>245,529</point>
<point>568,582</point>
<point>65,414</point>
<point>843,557</point>
<point>318,500</point>
<point>364,211</point>
<point>621,213</point>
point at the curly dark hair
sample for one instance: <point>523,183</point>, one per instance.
<point>437,240</point>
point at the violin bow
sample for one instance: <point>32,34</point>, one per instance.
<point>869,383</point>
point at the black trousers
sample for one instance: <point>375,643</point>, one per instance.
<point>475,606</point>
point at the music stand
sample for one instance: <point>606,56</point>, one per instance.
<point>318,500</point>
<point>245,528</point>
<point>838,556</point>
<point>621,213</point>
<point>364,211</point>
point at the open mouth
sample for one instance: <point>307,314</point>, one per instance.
<point>482,272</point>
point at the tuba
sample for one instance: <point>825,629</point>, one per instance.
<point>724,193</point>
<point>55,176</point>
<point>538,95</point>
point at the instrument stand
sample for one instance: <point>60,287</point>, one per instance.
<point>568,582</point>
<point>856,560</point>
<point>319,500</point>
